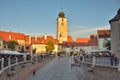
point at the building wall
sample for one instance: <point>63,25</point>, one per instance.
<point>21,42</point>
<point>115,37</point>
<point>56,48</point>
<point>40,48</point>
<point>86,48</point>
<point>101,43</point>
<point>1,44</point>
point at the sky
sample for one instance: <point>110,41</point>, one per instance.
<point>38,17</point>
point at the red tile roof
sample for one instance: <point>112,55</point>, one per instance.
<point>103,33</point>
<point>82,40</point>
<point>43,40</point>
<point>11,36</point>
<point>7,36</point>
<point>93,41</point>
<point>26,39</point>
<point>70,39</point>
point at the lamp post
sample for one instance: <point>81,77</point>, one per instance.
<point>119,58</point>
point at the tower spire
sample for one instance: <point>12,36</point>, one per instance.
<point>61,9</point>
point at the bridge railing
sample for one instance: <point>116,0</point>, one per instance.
<point>8,62</point>
<point>101,61</point>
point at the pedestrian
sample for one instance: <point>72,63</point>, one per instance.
<point>111,59</point>
<point>34,72</point>
<point>59,55</point>
<point>115,60</point>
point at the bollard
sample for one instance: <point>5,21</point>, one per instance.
<point>93,64</point>
<point>16,60</point>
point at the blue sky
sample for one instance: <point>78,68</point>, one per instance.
<point>39,16</point>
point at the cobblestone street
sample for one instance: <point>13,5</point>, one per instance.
<point>61,70</point>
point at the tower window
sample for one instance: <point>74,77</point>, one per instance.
<point>62,19</point>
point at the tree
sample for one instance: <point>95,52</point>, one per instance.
<point>49,46</point>
<point>107,44</point>
<point>11,45</point>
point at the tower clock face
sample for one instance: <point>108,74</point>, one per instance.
<point>62,23</point>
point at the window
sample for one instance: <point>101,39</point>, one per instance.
<point>18,47</point>
<point>92,47</point>
<point>95,47</point>
<point>5,47</point>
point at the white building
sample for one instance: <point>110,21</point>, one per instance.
<point>103,36</point>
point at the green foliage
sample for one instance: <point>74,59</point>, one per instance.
<point>49,46</point>
<point>107,44</point>
<point>11,45</point>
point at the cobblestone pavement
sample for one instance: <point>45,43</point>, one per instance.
<point>61,70</point>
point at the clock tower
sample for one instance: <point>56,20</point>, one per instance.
<point>62,27</point>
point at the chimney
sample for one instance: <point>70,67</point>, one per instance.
<point>36,38</point>
<point>92,36</point>
<point>45,36</point>
<point>10,37</point>
<point>29,39</point>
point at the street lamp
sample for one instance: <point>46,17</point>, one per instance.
<point>119,58</point>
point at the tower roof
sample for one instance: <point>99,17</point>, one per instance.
<point>61,14</point>
<point>117,17</point>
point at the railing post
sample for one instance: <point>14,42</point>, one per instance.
<point>31,57</point>
<point>24,57</point>
<point>83,59</point>
<point>2,64</point>
<point>93,64</point>
<point>36,57</point>
<point>119,66</point>
<point>16,60</point>
<point>9,62</point>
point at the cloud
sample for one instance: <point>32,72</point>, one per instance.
<point>83,31</point>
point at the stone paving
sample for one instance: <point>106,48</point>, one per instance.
<point>61,70</point>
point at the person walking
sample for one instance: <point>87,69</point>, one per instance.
<point>34,72</point>
<point>111,59</point>
<point>115,60</point>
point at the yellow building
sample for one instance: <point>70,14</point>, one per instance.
<point>39,43</point>
<point>62,33</point>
